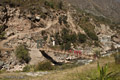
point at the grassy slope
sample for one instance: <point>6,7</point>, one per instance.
<point>85,72</point>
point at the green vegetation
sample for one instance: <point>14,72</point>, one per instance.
<point>82,38</point>
<point>92,71</point>
<point>42,66</point>
<point>55,4</point>
<point>89,29</point>
<point>63,19</point>
<point>47,66</point>
<point>28,68</point>
<point>110,71</point>
<point>117,58</point>
<point>101,19</point>
<point>85,24</point>
<point>2,32</point>
<point>66,46</point>
<point>92,35</point>
<point>67,37</point>
<point>29,4</point>
<point>22,53</point>
<point>50,4</point>
<point>104,75</point>
<point>2,35</point>
<point>97,44</point>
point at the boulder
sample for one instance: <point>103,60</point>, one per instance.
<point>9,33</point>
<point>37,18</point>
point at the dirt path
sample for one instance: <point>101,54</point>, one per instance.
<point>49,24</point>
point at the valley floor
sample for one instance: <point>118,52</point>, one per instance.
<point>86,72</point>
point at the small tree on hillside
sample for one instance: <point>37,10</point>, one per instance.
<point>22,53</point>
<point>60,5</point>
<point>82,38</point>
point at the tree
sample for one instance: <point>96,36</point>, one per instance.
<point>22,53</point>
<point>81,38</point>
<point>92,35</point>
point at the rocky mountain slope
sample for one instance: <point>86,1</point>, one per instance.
<point>42,22</point>
<point>107,8</point>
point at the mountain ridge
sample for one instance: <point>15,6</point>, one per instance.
<point>107,8</point>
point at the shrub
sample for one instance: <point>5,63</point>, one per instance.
<point>2,32</point>
<point>89,29</point>
<point>22,53</point>
<point>96,43</point>
<point>117,58</point>
<point>2,35</point>
<point>1,29</point>
<point>42,66</point>
<point>73,37</point>
<point>27,68</point>
<point>67,46</point>
<point>92,35</point>
<point>49,3</point>
<point>65,31</point>
<point>66,37</point>
<point>82,38</point>
<point>45,65</point>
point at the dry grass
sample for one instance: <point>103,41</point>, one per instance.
<point>68,74</point>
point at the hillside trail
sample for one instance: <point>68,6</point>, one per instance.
<point>49,24</point>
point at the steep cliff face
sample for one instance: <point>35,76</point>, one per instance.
<point>48,22</point>
<point>107,8</point>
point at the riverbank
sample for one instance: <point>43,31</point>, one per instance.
<point>84,72</point>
